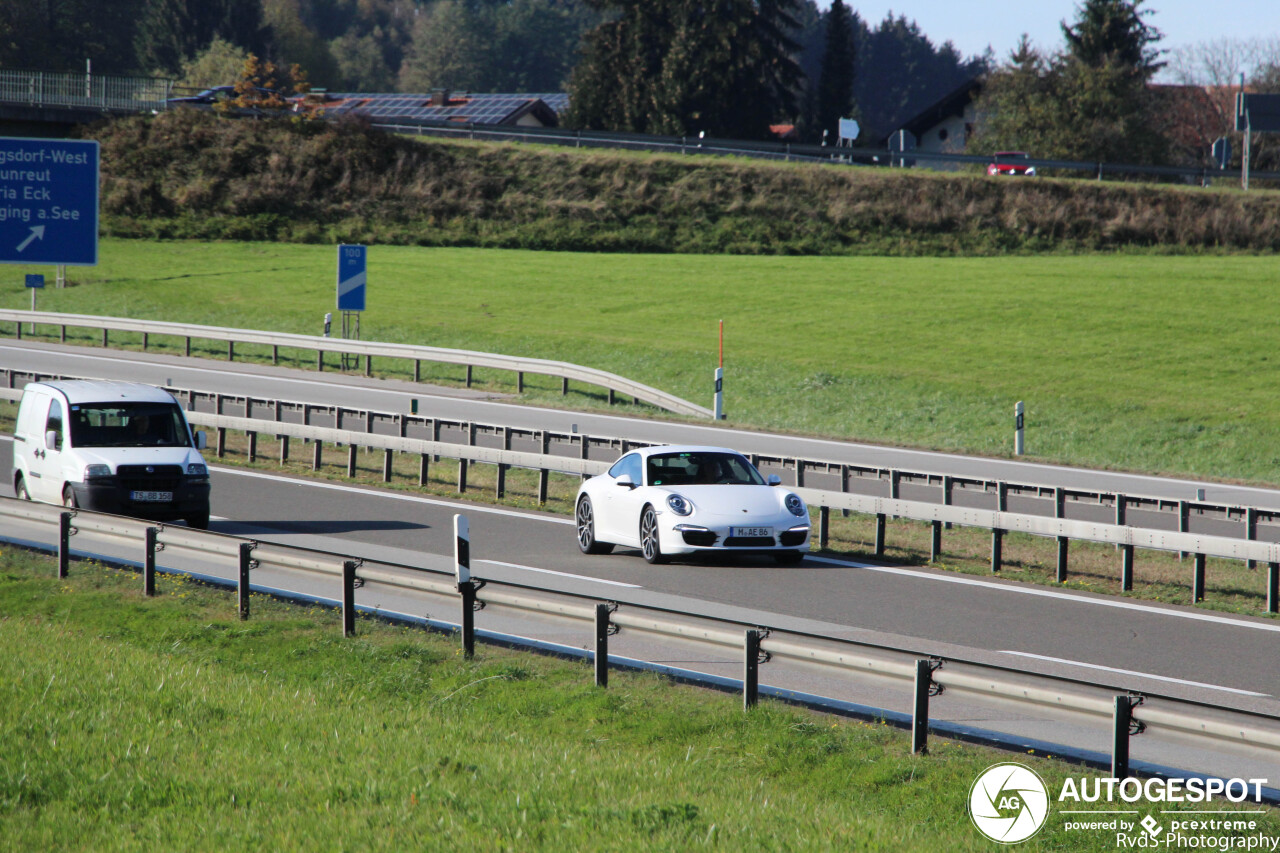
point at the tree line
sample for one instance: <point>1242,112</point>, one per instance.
<point>730,68</point>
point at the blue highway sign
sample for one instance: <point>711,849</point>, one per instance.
<point>35,280</point>
<point>48,201</point>
<point>352,277</point>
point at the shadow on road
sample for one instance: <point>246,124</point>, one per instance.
<point>317,528</point>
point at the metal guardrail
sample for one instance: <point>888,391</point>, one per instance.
<point>924,674</point>
<point>1127,521</point>
<point>565,371</point>
<point>84,91</point>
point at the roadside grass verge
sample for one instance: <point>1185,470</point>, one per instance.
<point>166,723</point>
<point>1130,362</point>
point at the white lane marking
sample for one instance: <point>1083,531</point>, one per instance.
<point>338,487</point>
<point>1132,672</point>
<point>722,431</point>
<point>1048,593</point>
<point>560,574</point>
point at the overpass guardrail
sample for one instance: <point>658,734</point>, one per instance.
<point>913,673</point>
<point>518,365</point>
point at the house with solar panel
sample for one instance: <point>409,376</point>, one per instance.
<point>540,110</point>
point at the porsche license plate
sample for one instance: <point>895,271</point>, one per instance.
<point>152,497</point>
<point>751,531</point>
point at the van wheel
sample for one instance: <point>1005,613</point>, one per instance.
<point>21,490</point>
<point>69,497</point>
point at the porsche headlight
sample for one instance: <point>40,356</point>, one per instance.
<point>794,505</point>
<point>679,505</point>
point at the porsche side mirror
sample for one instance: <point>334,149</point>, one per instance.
<point>774,480</point>
<point>625,481</point>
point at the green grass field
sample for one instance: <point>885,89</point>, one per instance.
<point>167,724</point>
<point>1134,362</point>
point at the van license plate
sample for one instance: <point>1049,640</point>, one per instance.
<point>751,531</point>
<point>152,497</point>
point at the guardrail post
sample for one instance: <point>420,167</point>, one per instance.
<point>231,350</point>
<point>149,562</point>
<point>242,585</point>
<point>1251,529</point>
<point>924,688</point>
<point>1126,568</point>
<point>368,365</point>
<point>894,477</point>
<point>62,335</point>
<point>544,475</point>
<point>316,458</point>
<point>18,329</point>
<point>1197,579</point>
<point>187,350</point>
<point>253,446</point>
<point>462,475</point>
<point>997,547</point>
<point>1123,725</point>
<point>1059,502</point>
<point>824,525</point>
<point>145,341</point>
<point>799,473</point>
<point>65,532</point>
<point>1063,545</point>
<point>320,360</point>
<point>351,460</point>
<point>500,482</point>
<point>349,597</point>
<point>424,464</point>
<point>880,525</point>
<point>603,630</point>
<point>104,338</point>
<point>275,354</point>
<point>468,376</point>
<point>417,370</point>
<point>1120,500</point>
<point>751,674</point>
<point>1002,497</point>
<point>844,486</point>
<point>612,397</point>
<point>1184,523</point>
<point>222,442</point>
<point>284,449</point>
<point>947,486</point>
<point>519,381</point>
<point>386,465</point>
<point>564,385</point>
<point>935,540</point>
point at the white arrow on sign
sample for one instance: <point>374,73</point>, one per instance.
<point>36,231</point>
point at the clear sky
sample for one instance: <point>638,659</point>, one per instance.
<point>972,26</point>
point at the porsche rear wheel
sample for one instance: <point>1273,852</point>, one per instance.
<point>587,542</point>
<point>649,545</point>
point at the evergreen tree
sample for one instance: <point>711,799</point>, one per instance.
<point>835,87</point>
<point>1114,32</point>
<point>723,67</point>
<point>170,31</point>
<point>59,35</point>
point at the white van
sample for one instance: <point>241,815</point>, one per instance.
<point>117,447</point>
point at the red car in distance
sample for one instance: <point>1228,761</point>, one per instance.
<point>1006,163</point>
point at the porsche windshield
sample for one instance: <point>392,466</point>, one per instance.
<point>128,425</point>
<point>682,469</point>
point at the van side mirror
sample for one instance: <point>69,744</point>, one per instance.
<point>774,480</point>
<point>202,440</point>
<point>625,481</point>
<point>52,440</point>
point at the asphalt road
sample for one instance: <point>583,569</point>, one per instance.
<point>1184,652</point>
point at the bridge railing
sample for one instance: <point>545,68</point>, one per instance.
<point>84,91</point>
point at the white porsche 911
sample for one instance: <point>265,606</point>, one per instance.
<point>676,500</point>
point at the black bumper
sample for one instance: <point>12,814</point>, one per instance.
<point>190,500</point>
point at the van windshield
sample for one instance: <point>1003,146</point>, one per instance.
<point>128,425</point>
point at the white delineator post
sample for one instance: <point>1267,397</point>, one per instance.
<point>718,404</point>
<point>1018,413</point>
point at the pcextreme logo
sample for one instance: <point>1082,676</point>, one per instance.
<point>1009,803</point>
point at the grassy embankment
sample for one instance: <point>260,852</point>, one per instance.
<point>1142,363</point>
<point>162,724</point>
<point>189,175</point>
